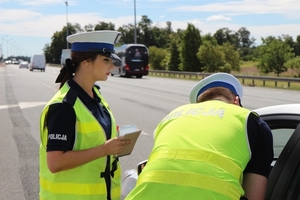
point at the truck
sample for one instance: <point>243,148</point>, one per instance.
<point>65,54</point>
<point>37,61</point>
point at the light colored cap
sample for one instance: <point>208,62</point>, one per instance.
<point>217,80</point>
<point>95,41</point>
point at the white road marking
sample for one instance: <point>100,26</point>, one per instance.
<point>23,105</point>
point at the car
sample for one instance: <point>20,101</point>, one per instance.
<point>24,64</point>
<point>15,62</point>
<point>284,179</point>
<point>7,62</point>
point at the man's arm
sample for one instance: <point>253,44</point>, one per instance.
<point>254,186</point>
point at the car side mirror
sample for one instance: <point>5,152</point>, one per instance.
<point>140,166</point>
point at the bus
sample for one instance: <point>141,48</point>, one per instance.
<point>134,61</point>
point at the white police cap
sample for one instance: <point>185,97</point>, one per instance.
<point>217,80</point>
<point>95,41</point>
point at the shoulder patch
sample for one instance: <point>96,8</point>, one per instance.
<point>71,97</point>
<point>255,113</point>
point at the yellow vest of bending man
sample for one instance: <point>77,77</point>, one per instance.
<point>200,149</point>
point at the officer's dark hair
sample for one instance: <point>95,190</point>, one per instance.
<point>73,63</point>
<point>217,93</point>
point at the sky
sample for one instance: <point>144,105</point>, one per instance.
<point>26,26</point>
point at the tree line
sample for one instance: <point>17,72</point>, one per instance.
<point>190,50</point>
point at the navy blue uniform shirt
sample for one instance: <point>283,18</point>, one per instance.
<point>61,119</point>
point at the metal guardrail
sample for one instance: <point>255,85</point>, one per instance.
<point>243,78</point>
<point>199,75</point>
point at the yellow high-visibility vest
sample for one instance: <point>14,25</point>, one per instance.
<point>83,182</point>
<point>200,152</point>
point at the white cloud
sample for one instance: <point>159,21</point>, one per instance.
<point>246,6</point>
<point>160,0</point>
<point>218,18</point>
<point>43,2</point>
<point>17,15</point>
<point>274,30</point>
<point>36,24</point>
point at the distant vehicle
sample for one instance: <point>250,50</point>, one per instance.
<point>118,69</point>
<point>15,62</point>
<point>65,54</point>
<point>24,64</point>
<point>134,60</point>
<point>37,61</point>
<point>8,62</point>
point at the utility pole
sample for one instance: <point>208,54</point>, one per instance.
<point>2,47</point>
<point>135,22</point>
<point>67,23</point>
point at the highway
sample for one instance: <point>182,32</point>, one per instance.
<point>143,102</point>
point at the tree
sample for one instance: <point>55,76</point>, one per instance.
<point>128,34</point>
<point>245,44</point>
<point>190,45</point>
<point>47,53</point>
<point>145,27</point>
<point>53,51</point>
<point>225,35</point>
<point>244,38</point>
<point>274,53</point>
<point>231,56</point>
<point>294,64</point>
<point>166,61</point>
<point>208,37</point>
<point>297,46</point>
<point>158,37</point>
<point>104,26</point>
<point>89,27</point>
<point>288,40</point>
<point>219,58</point>
<point>168,29</point>
<point>156,56</point>
<point>211,56</point>
<point>175,57</point>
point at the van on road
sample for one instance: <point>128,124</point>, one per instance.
<point>37,61</point>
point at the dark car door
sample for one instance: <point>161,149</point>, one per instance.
<point>284,179</point>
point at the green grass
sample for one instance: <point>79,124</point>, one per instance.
<point>271,84</point>
<point>245,64</point>
<point>249,68</point>
<point>247,82</point>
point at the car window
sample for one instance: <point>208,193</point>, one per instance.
<point>282,127</point>
<point>284,179</point>
<point>280,138</point>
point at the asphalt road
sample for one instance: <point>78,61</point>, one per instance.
<point>143,102</point>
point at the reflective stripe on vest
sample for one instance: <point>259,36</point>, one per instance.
<point>199,155</point>
<point>190,180</point>
<point>77,188</point>
<point>73,188</point>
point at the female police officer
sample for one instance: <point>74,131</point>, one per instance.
<point>78,130</point>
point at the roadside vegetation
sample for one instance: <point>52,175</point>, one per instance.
<point>232,51</point>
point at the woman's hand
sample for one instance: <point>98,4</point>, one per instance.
<point>115,145</point>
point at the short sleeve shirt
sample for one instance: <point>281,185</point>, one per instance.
<point>261,145</point>
<point>61,119</point>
